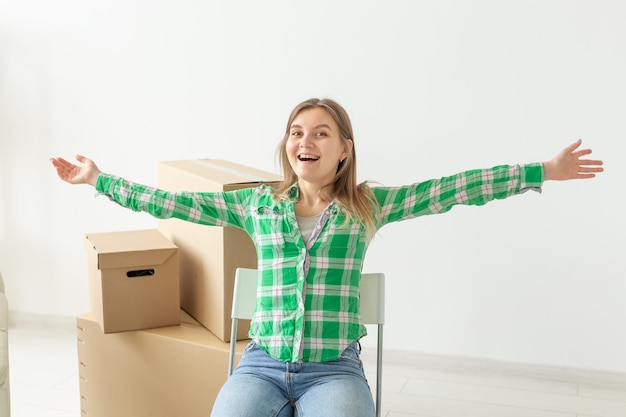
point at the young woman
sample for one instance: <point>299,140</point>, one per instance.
<point>311,235</point>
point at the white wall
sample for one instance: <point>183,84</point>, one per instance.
<point>433,88</point>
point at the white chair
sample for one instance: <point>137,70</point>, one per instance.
<point>372,312</point>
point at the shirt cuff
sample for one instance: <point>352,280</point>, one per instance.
<point>103,185</point>
<point>531,177</point>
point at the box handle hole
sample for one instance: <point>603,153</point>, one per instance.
<point>140,273</point>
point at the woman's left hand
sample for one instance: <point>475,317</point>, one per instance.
<point>568,165</point>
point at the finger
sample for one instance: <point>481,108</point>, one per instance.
<point>62,163</point>
<point>585,176</point>
<point>590,169</point>
<point>574,145</point>
<point>582,152</point>
<point>590,162</point>
<point>63,171</point>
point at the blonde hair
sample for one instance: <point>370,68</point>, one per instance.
<point>356,200</point>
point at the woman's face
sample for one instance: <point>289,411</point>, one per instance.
<point>314,146</point>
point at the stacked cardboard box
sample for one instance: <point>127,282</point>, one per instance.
<point>161,372</point>
<point>139,353</point>
<point>209,256</point>
<point>133,280</point>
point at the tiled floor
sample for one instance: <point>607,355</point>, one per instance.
<point>43,366</point>
<point>44,383</point>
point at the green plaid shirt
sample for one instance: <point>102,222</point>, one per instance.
<point>308,292</point>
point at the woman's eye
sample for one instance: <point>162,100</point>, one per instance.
<point>321,134</point>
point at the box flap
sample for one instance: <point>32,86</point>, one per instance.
<point>129,249</point>
<point>224,172</point>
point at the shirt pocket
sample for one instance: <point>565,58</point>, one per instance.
<point>269,228</point>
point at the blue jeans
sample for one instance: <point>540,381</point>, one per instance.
<point>261,386</point>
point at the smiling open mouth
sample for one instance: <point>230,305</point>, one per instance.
<point>308,158</point>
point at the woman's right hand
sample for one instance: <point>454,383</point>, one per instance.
<point>74,174</point>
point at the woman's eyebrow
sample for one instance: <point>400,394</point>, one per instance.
<point>322,125</point>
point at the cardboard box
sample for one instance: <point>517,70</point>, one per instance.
<point>209,256</point>
<point>162,372</point>
<point>133,280</point>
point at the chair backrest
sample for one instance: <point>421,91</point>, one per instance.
<point>244,294</point>
<point>372,312</point>
<point>373,298</point>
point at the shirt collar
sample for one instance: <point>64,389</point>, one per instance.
<point>294,192</point>
<point>294,195</point>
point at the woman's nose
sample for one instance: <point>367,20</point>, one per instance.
<point>306,141</point>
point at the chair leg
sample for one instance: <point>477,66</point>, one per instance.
<point>233,345</point>
<point>379,371</point>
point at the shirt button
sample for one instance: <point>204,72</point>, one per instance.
<point>298,333</point>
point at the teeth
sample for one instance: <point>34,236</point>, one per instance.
<point>307,157</point>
